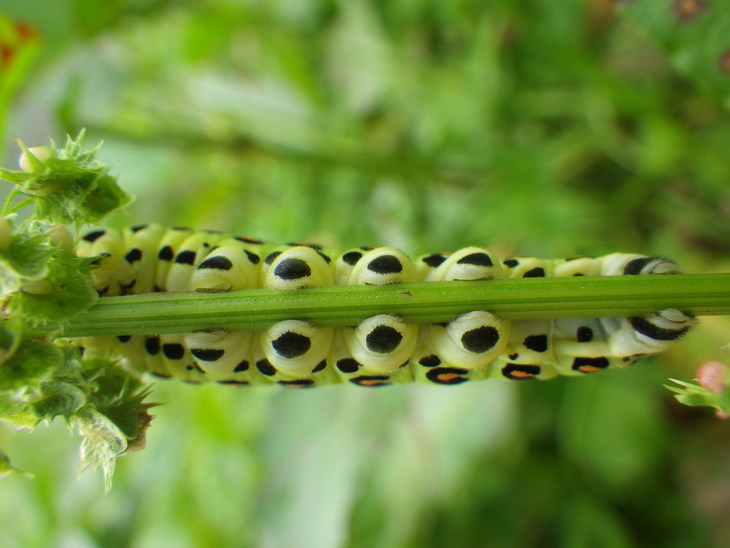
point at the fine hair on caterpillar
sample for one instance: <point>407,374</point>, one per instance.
<point>380,350</point>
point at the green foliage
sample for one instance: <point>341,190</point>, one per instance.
<point>25,256</point>
<point>64,291</point>
<point>695,395</point>
<point>29,363</point>
<point>694,35</point>
<point>68,185</point>
<point>19,46</point>
<point>44,284</point>
<point>102,442</point>
<point>6,468</point>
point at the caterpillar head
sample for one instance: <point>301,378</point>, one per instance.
<point>627,264</point>
<point>647,334</point>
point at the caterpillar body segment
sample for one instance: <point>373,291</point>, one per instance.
<point>473,340</point>
<point>168,248</point>
<point>108,248</point>
<point>193,251</point>
<point>381,350</point>
<point>298,267</point>
<point>230,268</point>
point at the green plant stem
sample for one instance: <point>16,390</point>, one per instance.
<point>9,200</point>
<point>531,298</point>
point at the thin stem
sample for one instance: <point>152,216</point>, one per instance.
<point>9,200</point>
<point>530,298</point>
<point>18,206</point>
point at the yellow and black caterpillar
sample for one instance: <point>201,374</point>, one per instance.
<point>380,350</point>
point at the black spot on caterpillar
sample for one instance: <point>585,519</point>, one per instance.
<point>381,350</point>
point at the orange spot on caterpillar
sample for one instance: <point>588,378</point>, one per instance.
<point>521,375</point>
<point>447,377</point>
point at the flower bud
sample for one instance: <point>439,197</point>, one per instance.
<point>37,287</point>
<point>60,236</point>
<point>27,163</point>
<point>712,375</point>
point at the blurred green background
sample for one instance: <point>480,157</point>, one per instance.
<point>533,127</point>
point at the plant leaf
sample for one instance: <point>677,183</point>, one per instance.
<point>70,186</point>
<point>102,442</point>
<point>68,290</point>
<point>31,362</point>
<point>7,469</point>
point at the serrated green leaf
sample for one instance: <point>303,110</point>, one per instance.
<point>16,412</point>
<point>31,362</point>
<point>60,398</point>
<point>105,198</point>
<point>7,469</point>
<point>7,337</point>
<point>26,257</point>
<point>118,396</point>
<point>102,442</point>
<point>694,395</point>
<point>70,186</point>
<point>68,291</point>
<point>12,176</point>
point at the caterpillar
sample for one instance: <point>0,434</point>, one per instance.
<point>382,349</point>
